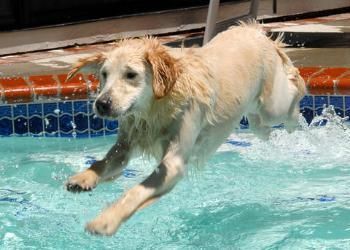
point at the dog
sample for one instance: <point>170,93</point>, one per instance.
<point>177,104</point>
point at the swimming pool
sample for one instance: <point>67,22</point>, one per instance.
<point>291,192</point>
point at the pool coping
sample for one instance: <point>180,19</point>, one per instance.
<point>38,88</point>
<point>41,76</point>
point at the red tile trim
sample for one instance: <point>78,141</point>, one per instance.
<point>343,84</point>
<point>15,90</point>
<point>93,84</point>
<point>319,81</point>
<point>44,86</point>
<point>75,88</point>
<point>326,81</point>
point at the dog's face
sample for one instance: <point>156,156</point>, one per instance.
<point>132,76</point>
<point>125,82</point>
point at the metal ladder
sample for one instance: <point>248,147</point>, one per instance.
<point>213,28</point>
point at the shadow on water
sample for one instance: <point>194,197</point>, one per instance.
<point>22,206</point>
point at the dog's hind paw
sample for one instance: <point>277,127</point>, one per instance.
<point>84,181</point>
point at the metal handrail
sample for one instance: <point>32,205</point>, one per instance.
<point>212,27</point>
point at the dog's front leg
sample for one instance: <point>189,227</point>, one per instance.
<point>109,167</point>
<point>161,181</point>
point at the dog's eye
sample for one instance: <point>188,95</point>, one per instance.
<point>104,74</point>
<point>130,75</point>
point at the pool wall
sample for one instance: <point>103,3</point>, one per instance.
<point>36,99</point>
<point>48,106</point>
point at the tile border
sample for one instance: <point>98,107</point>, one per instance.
<point>36,88</point>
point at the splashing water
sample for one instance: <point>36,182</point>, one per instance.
<point>290,192</point>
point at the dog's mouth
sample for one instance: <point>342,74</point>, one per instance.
<point>111,113</point>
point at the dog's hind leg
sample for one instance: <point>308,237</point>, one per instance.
<point>292,123</point>
<point>257,127</point>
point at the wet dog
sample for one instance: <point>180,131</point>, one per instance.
<point>176,104</point>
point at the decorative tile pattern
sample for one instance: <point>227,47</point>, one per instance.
<point>50,106</point>
<point>76,118</point>
<point>54,119</point>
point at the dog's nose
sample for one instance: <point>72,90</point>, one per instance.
<point>103,106</point>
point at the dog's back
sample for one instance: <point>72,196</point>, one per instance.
<point>255,77</point>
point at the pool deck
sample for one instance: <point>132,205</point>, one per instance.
<point>324,64</point>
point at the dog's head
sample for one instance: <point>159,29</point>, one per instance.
<point>132,76</point>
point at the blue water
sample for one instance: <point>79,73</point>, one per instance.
<point>291,192</point>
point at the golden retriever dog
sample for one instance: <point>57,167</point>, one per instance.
<point>180,104</point>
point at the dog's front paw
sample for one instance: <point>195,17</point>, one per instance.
<point>104,224</point>
<point>84,181</point>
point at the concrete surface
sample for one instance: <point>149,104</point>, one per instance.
<point>60,60</point>
<point>156,23</point>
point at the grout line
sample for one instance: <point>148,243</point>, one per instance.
<point>43,120</point>
<point>27,116</point>
<point>343,100</point>
<point>12,120</point>
<point>31,88</point>
<point>58,84</point>
<point>58,119</point>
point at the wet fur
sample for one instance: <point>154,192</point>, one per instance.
<point>199,96</point>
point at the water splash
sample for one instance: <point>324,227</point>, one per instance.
<point>330,117</point>
<point>321,143</point>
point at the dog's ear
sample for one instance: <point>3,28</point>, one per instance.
<point>165,68</point>
<point>89,64</point>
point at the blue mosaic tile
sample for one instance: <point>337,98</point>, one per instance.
<point>95,122</point>
<point>347,102</point>
<point>6,127</point>
<point>20,110</point>
<point>81,122</point>
<point>52,134</point>
<point>66,123</point>
<point>51,124</point>
<point>111,125</point>
<point>308,113</point>
<point>80,106</point>
<point>97,133</point>
<point>90,106</point>
<point>110,132</point>
<point>82,134</point>
<point>65,107</point>
<point>5,111</point>
<point>50,108</point>
<point>36,125</point>
<point>69,134</point>
<point>29,117</point>
<point>320,101</point>
<point>35,109</point>
<point>336,101</point>
<point>307,101</point>
<point>21,126</point>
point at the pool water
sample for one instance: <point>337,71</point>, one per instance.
<point>291,192</point>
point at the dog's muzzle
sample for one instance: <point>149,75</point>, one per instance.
<point>103,106</point>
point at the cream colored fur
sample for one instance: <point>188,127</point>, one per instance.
<point>179,104</point>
